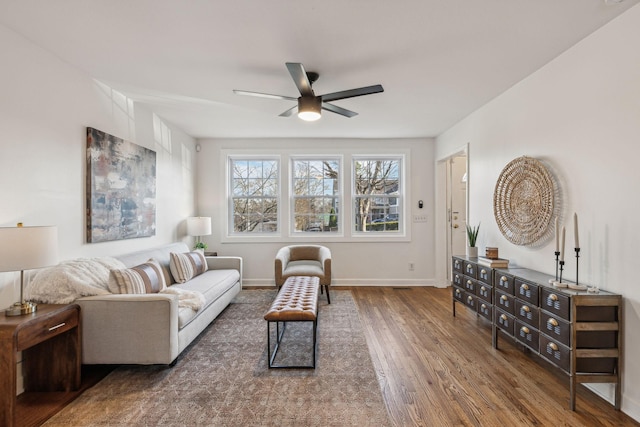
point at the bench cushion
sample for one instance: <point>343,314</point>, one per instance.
<point>297,300</point>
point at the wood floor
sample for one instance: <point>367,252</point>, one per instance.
<point>440,370</point>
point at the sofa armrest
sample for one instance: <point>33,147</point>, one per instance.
<point>129,328</point>
<point>281,261</point>
<point>225,263</point>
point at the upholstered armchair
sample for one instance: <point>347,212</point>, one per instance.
<point>304,260</point>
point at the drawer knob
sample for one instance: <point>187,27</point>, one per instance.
<point>469,282</point>
<point>552,321</point>
<point>504,298</point>
<point>503,317</point>
<point>483,289</point>
<point>469,298</point>
<point>483,271</point>
<point>553,297</point>
<point>525,329</point>
<point>457,277</point>
<point>553,346</point>
<point>458,292</point>
<point>483,306</point>
<point>457,264</point>
<point>503,279</point>
<point>526,308</point>
<point>524,286</point>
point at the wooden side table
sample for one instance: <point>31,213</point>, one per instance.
<point>51,346</point>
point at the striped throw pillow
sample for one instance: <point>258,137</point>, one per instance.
<point>186,266</point>
<point>145,278</point>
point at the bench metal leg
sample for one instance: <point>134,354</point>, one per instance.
<point>279,334</point>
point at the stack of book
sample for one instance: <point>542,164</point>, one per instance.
<point>493,263</point>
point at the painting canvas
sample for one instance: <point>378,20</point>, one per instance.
<point>121,188</point>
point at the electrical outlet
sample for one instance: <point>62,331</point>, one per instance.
<point>419,218</point>
<point>411,267</point>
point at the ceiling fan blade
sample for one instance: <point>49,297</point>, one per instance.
<point>300,78</point>
<point>351,93</point>
<point>338,110</point>
<point>263,95</point>
<point>289,112</point>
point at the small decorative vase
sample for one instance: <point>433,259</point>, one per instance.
<point>472,251</point>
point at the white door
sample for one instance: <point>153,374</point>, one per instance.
<point>458,206</point>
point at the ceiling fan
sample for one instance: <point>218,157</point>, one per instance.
<point>310,104</point>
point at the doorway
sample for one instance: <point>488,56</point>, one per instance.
<point>453,206</point>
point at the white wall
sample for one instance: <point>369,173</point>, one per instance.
<point>45,108</point>
<point>580,114</point>
<point>354,263</point>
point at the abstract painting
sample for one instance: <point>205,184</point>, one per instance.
<point>121,188</point>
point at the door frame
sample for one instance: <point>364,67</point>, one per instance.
<point>443,212</point>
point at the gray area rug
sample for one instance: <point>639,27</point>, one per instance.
<point>223,378</point>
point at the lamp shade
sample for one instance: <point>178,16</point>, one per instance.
<point>25,248</point>
<point>199,226</point>
<point>309,108</point>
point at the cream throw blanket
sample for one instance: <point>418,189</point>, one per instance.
<point>70,280</point>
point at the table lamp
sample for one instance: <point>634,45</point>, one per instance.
<point>199,226</point>
<point>27,248</point>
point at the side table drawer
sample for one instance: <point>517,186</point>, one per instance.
<point>484,291</point>
<point>504,282</point>
<point>555,327</point>
<point>505,321</point>
<point>527,291</point>
<point>50,327</point>
<point>484,274</point>
<point>527,313</point>
<point>505,302</point>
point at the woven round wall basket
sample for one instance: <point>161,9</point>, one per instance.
<point>523,201</point>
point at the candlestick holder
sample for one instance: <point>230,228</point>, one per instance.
<point>561,268</point>
<point>577,259</point>
<point>557,258</point>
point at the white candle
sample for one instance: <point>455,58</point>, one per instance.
<point>557,236</point>
<point>562,244</point>
<point>575,228</point>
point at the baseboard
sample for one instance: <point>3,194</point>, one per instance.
<point>354,282</point>
<point>608,392</point>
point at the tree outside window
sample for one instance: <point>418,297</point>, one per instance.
<point>254,195</point>
<point>377,194</point>
<point>316,184</point>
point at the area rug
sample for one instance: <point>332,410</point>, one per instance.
<point>223,379</point>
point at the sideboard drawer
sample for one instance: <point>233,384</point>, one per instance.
<point>505,302</point>
<point>527,335</point>
<point>457,265</point>
<point>484,291</point>
<point>484,274</point>
<point>527,291</point>
<point>555,352</point>
<point>505,321</point>
<point>484,309</point>
<point>527,313</point>
<point>504,282</point>
<point>457,279</point>
<point>458,294</point>
<point>555,303</point>
<point>555,328</point>
<point>470,301</point>
<point>470,269</point>
<point>469,284</point>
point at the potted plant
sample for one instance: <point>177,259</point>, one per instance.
<point>472,236</point>
<point>200,246</point>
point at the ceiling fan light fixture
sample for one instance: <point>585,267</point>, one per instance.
<point>309,108</point>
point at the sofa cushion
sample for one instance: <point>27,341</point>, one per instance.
<point>212,285</point>
<point>145,278</point>
<point>186,266</point>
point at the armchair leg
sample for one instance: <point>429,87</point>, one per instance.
<point>328,297</point>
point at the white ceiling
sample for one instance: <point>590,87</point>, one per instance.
<point>438,60</point>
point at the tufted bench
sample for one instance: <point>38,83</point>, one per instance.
<point>297,301</point>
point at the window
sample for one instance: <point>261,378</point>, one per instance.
<point>377,194</point>
<point>316,195</point>
<point>254,195</point>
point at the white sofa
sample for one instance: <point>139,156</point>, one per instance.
<point>151,328</point>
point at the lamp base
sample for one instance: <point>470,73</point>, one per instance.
<point>19,309</point>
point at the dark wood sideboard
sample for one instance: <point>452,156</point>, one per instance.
<point>577,331</point>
